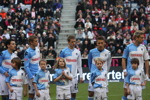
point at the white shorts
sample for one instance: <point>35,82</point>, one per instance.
<point>44,95</point>
<point>100,94</point>
<point>135,92</point>
<point>3,86</point>
<point>63,92</point>
<point>74,85</point>
<point>16,94</point>
<point>31,89</point>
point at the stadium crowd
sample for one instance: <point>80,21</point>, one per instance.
<point>20,19</point>
<point>116,20</point>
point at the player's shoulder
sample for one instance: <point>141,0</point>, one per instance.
<point>3,52</point>
<point>106,50</point>
<point>76,50</point>
<point>142,45</point>
<point>93,50</point>
<point>63,50</point>
<point>130,45</point>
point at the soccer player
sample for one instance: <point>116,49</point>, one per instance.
<point>99,80</point>
<point>41,82</point>
<point>16,80</point>
<point>31,63</point>
<point>98,52</point>
<point>5,64</point>
<point>62,78</point>
<point>134,81</point>
<point>72,57</point>
<point>135,50</point>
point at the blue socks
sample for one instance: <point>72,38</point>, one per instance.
<point>72,99</point>
<point>90,98</point>
<point>124,98</point>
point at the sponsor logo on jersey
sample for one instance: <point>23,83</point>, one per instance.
<point>43,80</point>
<point>136,55</point>
<point>16,80</point>
<point>71,60</point>
<point>101,79</point>
<point>135,78</point>
<point>35,59</point>
<point>8,63</point>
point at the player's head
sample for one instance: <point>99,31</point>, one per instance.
<point>99,63</point>
<point>134,63</point>
<point>100,42</point>
<point>33,40</point>
<point>16,63</point>
<point>60,63</point>
<point>11,44</point>
<point>43,64</point>
<point>139,36</point>
<point>71,41</point>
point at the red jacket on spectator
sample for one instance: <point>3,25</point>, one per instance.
<point>3,14</point>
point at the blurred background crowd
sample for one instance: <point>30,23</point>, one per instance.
<point>116,20</point>
<point>20,19</point>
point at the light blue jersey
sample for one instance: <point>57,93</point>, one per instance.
<point>135,77</point>
<point>133,51</point>
<point>63,81</point>
<point>73,60</point>
<point>105,55</point>
<point>16,78</point>
<point>31,61</point>
<point>5,61</point>
<point>42,79</point>
<point>99,78</point>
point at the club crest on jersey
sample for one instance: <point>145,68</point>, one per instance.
<point>142,49</point>
<point>76,53</point>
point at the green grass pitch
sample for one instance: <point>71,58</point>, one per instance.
<point>115,91</point>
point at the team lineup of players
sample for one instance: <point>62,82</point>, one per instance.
<point>14,80</point>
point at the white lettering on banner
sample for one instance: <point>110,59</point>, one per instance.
<point>110,76</point>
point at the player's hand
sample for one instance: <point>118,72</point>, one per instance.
<point>128,91</point>
<point>63,73</point>
<point>24,93</point>
<point>38,94</point>
<point>6,74</point>
<point>81,80</point>
<point>11,90</point>
<point>143,84</point>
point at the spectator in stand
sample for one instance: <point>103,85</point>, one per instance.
<point>118,53</point>
<point>6,34</point>
<point>51,40</point>
<point>85,55</point>
<point>57,5</point>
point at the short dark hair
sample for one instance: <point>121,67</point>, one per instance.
<point>8,42</point>
<point>17,61</point>
<point>42,60</point>
<point>101,38</point>
<point>70,37</point>
<point>134,61</point>
<point>31,38</point>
